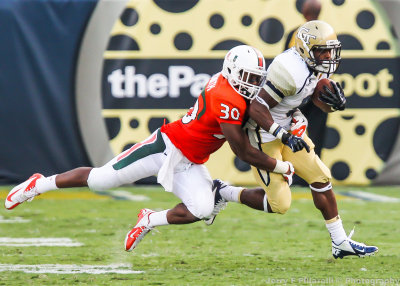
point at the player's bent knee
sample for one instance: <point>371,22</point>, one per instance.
<point>282,208</point>
<point>101,179</point>
<point>201,211</point>
<point>281,205</point>
<point>279,196</point>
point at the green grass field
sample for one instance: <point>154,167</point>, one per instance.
<point>242,247</point>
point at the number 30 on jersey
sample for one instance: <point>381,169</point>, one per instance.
<point>225,110</point>
<point>233,113</point>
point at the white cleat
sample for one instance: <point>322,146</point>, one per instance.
<point>350,247</point>
<point>25,191</point>
<point>219,202</point>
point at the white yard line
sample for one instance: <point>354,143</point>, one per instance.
<point>128,196</point>
<point>39,241</point>
<point>371,197</point>
<point>13,220</point>
<point>70,268</point>
<point>124,195</point>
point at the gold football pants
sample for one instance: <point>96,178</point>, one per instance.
<point>308,166</point>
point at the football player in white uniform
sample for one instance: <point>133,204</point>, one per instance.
<point>291,80</point>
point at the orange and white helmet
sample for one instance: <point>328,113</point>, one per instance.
<point>244,68</point>
<point>320,35</point>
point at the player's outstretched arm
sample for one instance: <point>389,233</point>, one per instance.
<point>240,145</point>
<point>259,109</point>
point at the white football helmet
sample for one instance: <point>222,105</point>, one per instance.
<point>244,68</point>
<point>318,35</point>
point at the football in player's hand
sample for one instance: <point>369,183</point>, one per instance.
<point>318,89</point>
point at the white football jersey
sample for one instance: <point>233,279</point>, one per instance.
<point>291,83</point>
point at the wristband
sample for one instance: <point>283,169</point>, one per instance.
<point>277,130</point>
<point>281,167</point>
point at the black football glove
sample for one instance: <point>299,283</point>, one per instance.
<point>295,143</point>
<point>335,98</point>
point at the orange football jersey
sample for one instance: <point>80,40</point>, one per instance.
<point>198,134</point>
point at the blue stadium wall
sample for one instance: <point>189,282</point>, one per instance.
<point>39,47</point>
<point>83,80</point>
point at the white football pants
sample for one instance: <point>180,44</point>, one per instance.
<point>156,155</point>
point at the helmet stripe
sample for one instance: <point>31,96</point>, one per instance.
<point>260,57</point>
<point>260,62</point>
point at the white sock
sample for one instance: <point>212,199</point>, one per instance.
<point>46,184</point>
<point>265,203</point>
<point>231,193</point>
<point>158,218</point>
<point>336,231</point>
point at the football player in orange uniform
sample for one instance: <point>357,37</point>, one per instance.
<point>176,151</point>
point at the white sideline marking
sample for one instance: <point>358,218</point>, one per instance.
<point>13,220</point>
<point>39,241</point>
<point>371,197</point>
<point>70,268</point>
<point>121,194</point>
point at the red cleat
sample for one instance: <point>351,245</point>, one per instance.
<point>139,231</point>
<point>25,191</point>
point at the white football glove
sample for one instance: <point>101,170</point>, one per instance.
<point>289,177</point>
<point>299,124</point>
